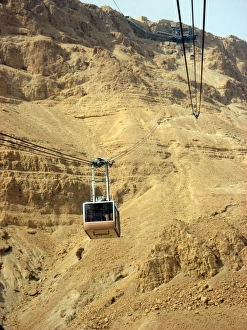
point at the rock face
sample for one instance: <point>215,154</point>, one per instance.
<point>76,83</point>
<point>178,250</point>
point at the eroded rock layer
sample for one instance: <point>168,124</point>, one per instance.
<point>78,82</point>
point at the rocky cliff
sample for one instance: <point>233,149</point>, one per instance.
<point>78,79</point>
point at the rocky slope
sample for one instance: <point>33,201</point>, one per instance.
<point>78,79</point>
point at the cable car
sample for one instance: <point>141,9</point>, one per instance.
<point>101,218</point>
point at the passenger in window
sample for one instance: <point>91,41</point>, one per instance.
<point>108,214</point>
<point>89,216</point>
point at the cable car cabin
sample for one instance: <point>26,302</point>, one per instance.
<point>101,219</point>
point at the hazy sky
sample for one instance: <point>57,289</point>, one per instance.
<point>223,17</point>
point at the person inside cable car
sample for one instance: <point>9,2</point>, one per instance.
<point>97,213</point>
<point>109,213</point>
<point>89,214</point>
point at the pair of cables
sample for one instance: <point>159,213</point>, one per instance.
<point>140,142</point>
<point>34,148</point>
<point>196,108</point>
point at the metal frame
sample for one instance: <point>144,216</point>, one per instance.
<point>99,162</point>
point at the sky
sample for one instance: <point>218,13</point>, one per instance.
<point>223,17</point>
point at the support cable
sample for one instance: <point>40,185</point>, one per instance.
<point>19,146</point>
<point>117,7</point>
<point>203,38</point>
<point>138,143</point>
<point>185,59</point>
<point>195,112</point>
<point>135,145</point>
<point>29,146</point>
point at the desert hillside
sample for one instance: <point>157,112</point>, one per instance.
<point>78,82</point>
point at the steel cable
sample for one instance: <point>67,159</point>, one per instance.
<point>185,59</point>
<point>203,40</point>
<point>29,146</point>
<point>194,52</point>
<point>138,143</point>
